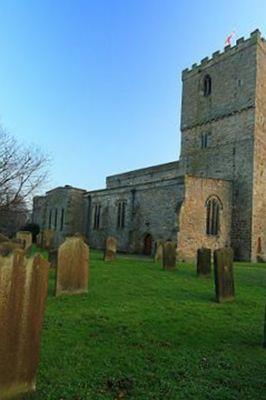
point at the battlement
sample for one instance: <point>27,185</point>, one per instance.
<point>229,50</point>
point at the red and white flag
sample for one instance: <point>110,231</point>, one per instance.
<point>229,38</point>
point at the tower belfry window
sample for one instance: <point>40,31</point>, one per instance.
<point>207,85</point>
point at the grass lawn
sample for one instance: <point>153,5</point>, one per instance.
<point>145,333</point>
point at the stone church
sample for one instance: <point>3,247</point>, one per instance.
<point>213,196</point>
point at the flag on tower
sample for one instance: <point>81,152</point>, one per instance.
<point>229,38</point>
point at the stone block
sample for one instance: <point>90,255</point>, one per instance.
<point>110,249</point>
<point>26,237</point>
<point>204,262</point>
<point>224,274</point>
<point>169,255</point>
<point>72,267</point>
<point>23,290</point>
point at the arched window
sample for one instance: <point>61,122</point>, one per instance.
<point>213,206</point>
<point>207,85</point>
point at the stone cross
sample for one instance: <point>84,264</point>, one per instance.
<point>23,290</point>
<point>204,262</point>
<point>224,274</point>
<point>72,267</point>
<point>26,237</point>
<point>111,249</point>
<point>169,255</point>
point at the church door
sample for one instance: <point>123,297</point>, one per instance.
<point>147,244</point>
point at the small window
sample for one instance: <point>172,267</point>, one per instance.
<point>207,85</point>
<point>55,219</point>
<point>62,220</point>
<point>97,216</point>
<point>205,140</point>
<point>121,214</point>
<point>213,206</point>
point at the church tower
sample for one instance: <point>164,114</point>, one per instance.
<point>224,134</point>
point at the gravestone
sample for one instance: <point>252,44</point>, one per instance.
<point>26,237</point>
<point>39,239</point>
<point>111,248</point>
<point>158,256</point>
<point>47,239</point>
<point>224,274</point>
<point>264,338</point>
<point>53,257</point>
<point>7,247</point>
<point>204,262</point>
<point>169,255</point>
<point>23,290</point>
<point>72,267</point>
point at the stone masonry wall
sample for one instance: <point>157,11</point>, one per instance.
<point>193,214</point>
<point>150,209</point>
<point>259,170</point>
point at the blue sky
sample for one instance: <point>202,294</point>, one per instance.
<point>97,84</point>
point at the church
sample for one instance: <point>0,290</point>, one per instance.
<point>214,196</point>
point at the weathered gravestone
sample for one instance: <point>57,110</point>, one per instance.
<point>7,247</point>
<point>53,257</point>
<point>72,267</point>
<point>204,262</point>
<point>23,289</point>
<point>264,338</point>
<point>47,238</point>
<point>158,256</point>
<point>169,255</point>
<point>111,249</point>
<point>224,274</point>
<point>26,237</point>
<point>39,239</point>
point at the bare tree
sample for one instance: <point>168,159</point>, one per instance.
<point>23,169</point>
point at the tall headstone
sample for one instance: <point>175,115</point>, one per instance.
<point>26,237</point>
<point>169,255</point>
<point>224,274</point>
<point>111,249</point>
<point>204,262</point>
<point>47,238</point>
<point>23,290</point>
<point>158,256</point>
<point>72,267</point>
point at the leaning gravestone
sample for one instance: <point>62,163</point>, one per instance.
<point>111,249</point>
<point>7,247</point>
<point>47,238</point>
<point>158,256</point>
<point>26,237</point>
<point>224,274</point>
<point>3,238</point>
<point>23,290</point>
<point>204,262</point>
<point>72,267</point>
<point>169,255</point>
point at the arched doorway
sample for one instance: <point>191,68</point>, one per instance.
<point>147,245</point>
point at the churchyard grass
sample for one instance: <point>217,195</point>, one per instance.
<point>145,333</point>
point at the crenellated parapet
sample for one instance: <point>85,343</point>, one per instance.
<point>241,43</point>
